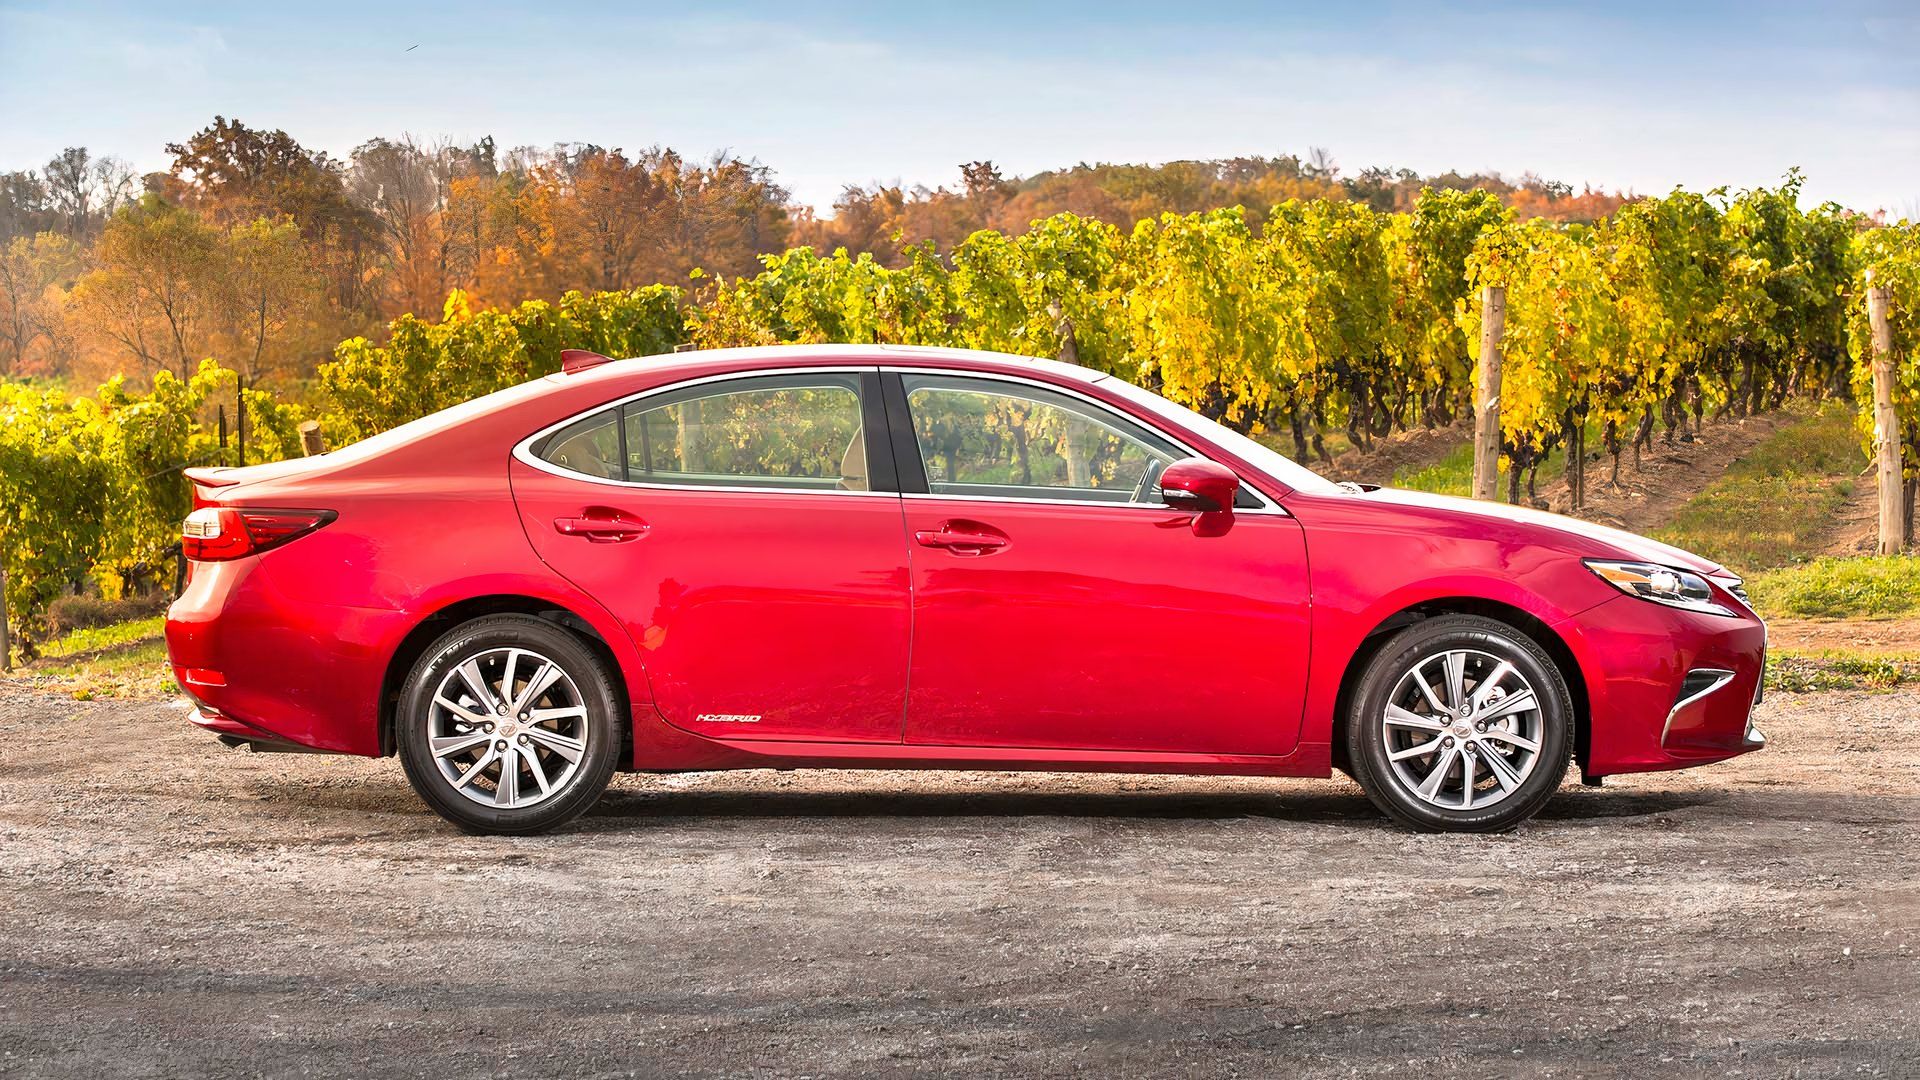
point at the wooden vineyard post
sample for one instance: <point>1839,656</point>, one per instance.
<point>1486,394</point>
<point>311,441</point>
<point>1886,425</point>
<point>6,644</point>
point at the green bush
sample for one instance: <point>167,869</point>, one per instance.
<point>1834,588</point>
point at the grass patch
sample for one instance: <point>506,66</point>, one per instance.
<point>1451,475</point>
<point>126,659</point>
<point>1802,672</point>
<point>1841,588</point>
<point>96,638</point>
<point>1774,505</point>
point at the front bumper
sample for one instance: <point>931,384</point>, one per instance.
<point>1667,689</point>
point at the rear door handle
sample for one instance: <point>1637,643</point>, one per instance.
<point>960,541</point>
<point>605,527</point>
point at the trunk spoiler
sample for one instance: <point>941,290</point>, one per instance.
<point>211,476</point>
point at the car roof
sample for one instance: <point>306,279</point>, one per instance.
<point>502,413</point>
<point>669,367</point>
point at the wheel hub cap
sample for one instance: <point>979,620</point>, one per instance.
<point>1462,730</point>
<point>508,728</point>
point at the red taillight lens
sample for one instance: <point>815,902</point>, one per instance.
<point>216,533</point>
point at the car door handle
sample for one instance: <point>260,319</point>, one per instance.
<point>603,528</point>
<point>959,541</point>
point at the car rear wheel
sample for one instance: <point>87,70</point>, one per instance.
<point>1460,724</point>
<point>509,724</point>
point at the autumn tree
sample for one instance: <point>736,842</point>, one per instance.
<point>83,190</point>
<point>267,294</point>
<point>24,206</point>
<point>232,174</point>
<point>34,273</point>
<point>407,188</point>
<point>150,292</point>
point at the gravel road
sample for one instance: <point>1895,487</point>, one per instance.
<point>173,908</point>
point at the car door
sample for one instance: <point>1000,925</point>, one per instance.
<point>1058,603</point>
<point>735,529</point>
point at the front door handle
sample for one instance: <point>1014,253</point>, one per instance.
<point>602,526</point>
<point>961,541</point>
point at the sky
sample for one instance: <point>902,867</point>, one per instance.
<point>1620,95</point>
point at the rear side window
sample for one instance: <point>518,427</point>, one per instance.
<point>785,431</point>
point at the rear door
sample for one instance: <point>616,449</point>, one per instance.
<point>735,528</point>
<point>1059,604</point>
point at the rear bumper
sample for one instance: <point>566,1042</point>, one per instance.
<point>1646,715</point>
<point>261,666</point>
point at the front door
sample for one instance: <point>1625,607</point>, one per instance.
<point>1057,603</point>
<point>735,529</point>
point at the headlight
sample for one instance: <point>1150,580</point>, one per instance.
<point>1660,584</point>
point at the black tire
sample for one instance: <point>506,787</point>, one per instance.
<point>602,731</point>
<point>1483,643</point>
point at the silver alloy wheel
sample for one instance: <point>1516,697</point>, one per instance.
<point>508,728</point>
<point>1462,729</point>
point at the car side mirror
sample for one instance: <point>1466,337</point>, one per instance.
<point>1198,486</point>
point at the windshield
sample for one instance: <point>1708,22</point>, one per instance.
<point>1273,464</point>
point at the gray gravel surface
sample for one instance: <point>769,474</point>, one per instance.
<point>172,908</point>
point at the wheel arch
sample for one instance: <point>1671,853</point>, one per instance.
<point>414,644</point>
<point>1519,619</point>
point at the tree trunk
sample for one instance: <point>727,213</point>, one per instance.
<point>1076,455</point>
<point>688,435</point>
<point>6,645</point>
<point>1906,521</point>
<point>1576,459</point>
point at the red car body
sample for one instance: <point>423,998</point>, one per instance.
<point>864,631</point>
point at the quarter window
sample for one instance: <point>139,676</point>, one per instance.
<point>982,438</point>
<point>590,446</point>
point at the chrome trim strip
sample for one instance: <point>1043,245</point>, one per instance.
<point>1160,508</point>
<point>523,451</point>
<point>1721,677</point>
<point>1267,505</point>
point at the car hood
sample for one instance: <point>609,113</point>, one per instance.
<point>1596,541</point>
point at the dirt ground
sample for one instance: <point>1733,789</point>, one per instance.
<point>173,908</point>
<point>1668,477</point>
<point>1411,450</point>
<point>1845,635</point>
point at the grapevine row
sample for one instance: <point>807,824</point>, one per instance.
<point>1331,317</point>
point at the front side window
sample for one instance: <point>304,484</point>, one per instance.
<point>786,431</point>
<point>998,440</point>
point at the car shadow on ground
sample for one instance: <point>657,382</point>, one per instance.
<point>1336,806</point>
<point>1339,804</point>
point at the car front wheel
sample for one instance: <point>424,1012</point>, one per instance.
<point>509,724</point>
<point>1460,724</point>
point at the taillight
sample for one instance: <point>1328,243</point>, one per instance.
<point>217,533</point>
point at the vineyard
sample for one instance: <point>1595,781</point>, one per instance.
<point>1330,322</point>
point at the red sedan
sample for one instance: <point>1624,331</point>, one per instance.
<point>899,557</point>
